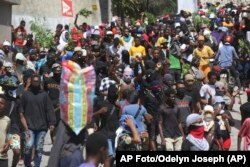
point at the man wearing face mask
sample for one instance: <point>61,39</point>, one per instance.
<point>184,104</point>
<point>52,86</point>
<point>153,97</point>
<point>195,140</point>
<point>192,90</point>
<point>79,56</point>
<point>46,67</point>
<point>37,116</point>
<point>6,50</point>
<point>9,79</point>
<point>168,81</point>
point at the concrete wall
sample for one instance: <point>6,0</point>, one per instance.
<point>5,19</point>
<point>49,12</point>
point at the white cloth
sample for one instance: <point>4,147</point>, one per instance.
<point>201,144</point>
<point>63,41</point>
<point>207,88</point>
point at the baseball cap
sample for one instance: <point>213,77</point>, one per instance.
<point>6,43</point>
<point>193,119</point>
<point>55,65</point>
<point>76,49</point>
<point>208,108</point>
<point>20,56</point>
<point>7,64</point>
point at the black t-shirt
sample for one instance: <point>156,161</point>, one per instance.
<point>38,110</point>
<point>13,113</point>
<point>110,120</point>
<point>168,116</point>
<point>184,108</point>
<point>195,94</point>
<point>152,102</point>
<point>52,86</point>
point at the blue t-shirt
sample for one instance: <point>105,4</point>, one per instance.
<point>87,165</point>
<point>132,109</point>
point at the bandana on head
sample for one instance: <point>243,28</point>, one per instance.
<point>128,73</point>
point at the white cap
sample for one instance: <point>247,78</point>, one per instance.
<point>177,25</point>
<point>109,33</point>
<point>20,56</point>
<point>206,32</point>
<point>84,52</point>
<point>7,64</point>
<point>55,65</point>
<point>76,49</point>
<point>6,43</point>
<point>208,108</point>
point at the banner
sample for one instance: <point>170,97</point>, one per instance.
<point>77,92</point>
<point>67,9</point>
<point>187,5</point>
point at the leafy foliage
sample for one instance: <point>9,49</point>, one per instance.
<point>44,37</point>
<point>85,12</point>
<point>133,8</point>
<point>198,21</point>
<point>244,46</point>
<point>151,17</point>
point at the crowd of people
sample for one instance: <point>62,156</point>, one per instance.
<point>167,85</point>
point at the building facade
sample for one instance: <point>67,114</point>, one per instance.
<point>50,12</point>
<point>5,19</point>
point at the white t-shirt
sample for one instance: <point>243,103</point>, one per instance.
<point>207,88</point>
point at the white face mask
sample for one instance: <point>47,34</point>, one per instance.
<point>193,34</point>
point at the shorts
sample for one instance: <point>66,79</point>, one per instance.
<point>173,144</point>
<point>15,141</point>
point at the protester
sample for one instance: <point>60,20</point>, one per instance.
<point>195,140</point>
<point>181,73</point>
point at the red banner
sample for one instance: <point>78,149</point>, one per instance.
<point>67,9</point>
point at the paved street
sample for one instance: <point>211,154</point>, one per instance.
<point>236,116</point>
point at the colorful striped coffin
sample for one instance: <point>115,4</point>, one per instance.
<point>76,95</point>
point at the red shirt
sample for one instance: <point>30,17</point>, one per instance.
<point>20,36</point>
<point>245,132</point>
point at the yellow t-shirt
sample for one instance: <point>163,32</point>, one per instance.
<point>137,51</point>
<point>204,54</point>
<point>160,40</point>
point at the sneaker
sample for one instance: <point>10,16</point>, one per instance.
<point>21,162</point>
<point>32,163</point>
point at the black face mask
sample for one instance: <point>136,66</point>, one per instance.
<point>6,51</point>
<point>220,92</point>
<point>35,89</point>
<point>57,76</point>
<point>181,92</point>
<point>1,113</point>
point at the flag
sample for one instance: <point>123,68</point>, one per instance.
<point>77,91</point>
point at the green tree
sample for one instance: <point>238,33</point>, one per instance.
<point>133,8</point>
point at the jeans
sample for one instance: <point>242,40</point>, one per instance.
<point>35,141</point>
